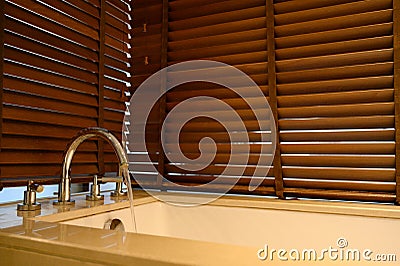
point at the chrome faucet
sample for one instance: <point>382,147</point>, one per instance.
<point>64,188</point>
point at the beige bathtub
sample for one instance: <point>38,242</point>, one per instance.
<point>228,231</point>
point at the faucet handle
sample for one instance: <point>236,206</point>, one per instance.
<point>35,187</point>
<point>29,203</point>
<point>118,192</point>
<point>95,190</point>
<point>105,179</point>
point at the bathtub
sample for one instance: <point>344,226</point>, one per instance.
<point>234,230</point>
<point>269,225</point>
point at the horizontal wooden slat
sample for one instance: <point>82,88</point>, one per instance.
<point>214,19</point>
<point>45,117</point>
<point>337,60</point>
<point>338,135</point>
<point>340,184</point>
<point>248,170</point>
<point>339,148</point>
<point>338,110</point>
<point>225,28</point>
<point>188,180</point>
<point>119,45</point>
<point>251,35</point>
<point>358,96</point>
<point>219,137</point>
<point>87,7</point>
<point>237,81</point>
<point>213,7</point>
<point>239,148</point>
<point>142,42</point>
<point>30,101</point>
<point>226,118</point>
<point>339,161</point>
<point>113,126</point>
<point>337,173</point>
<point>355,7</point>
<point>326,24</point>
<point>116,74</point>
<point>341,195</point>
<point>141,158</point>
<point>23,128</point>
<point>142,167</point>
<point>11,171</point>
<point>120,5</point>
<point>152,30</point>
<point>350,46</point>
<point>238,189</point>
<point>332,73</point>
<point>237,59</point>
<point>209,126</point>
<point>116,23</point>
<point>288,6</point>
<point>236,103</point>
<point>115,105</point>
<point>383,121</point>
<point>339,35</point>
<point>350,84</point>
<point>120,65</point>
<point>115,12</point>
<point>115,84</point>
<point>236,48</point>
<point>222,158</point>
<point>116,33</point>
<point>114,116</point>
<point>95,3</point>
<point>34,158</point>
<point>25,144</point>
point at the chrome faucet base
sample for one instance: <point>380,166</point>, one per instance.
<point>29,207</point>
<point>94,197</point>
<point>61,203</point>
<point>117,194</point>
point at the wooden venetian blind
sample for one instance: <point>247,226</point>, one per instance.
<point>334,62</point>
<point>146,50</point>
<point>64,68</point>
<point>326,67</point>
<point>232,32</point>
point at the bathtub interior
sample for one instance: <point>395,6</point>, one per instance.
<point>254,227</point>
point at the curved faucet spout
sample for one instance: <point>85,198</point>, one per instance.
<point>64,188</point>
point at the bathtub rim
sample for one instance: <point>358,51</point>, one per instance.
<point>296,205</point>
